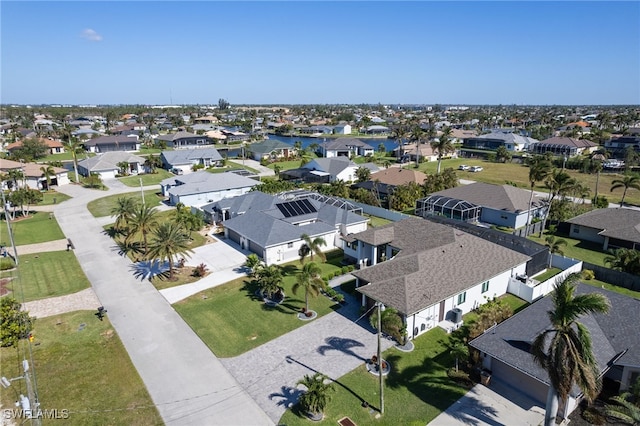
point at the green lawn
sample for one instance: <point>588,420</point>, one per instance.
<point>147,178</point>
<point>39,227</point>
<point>375,221</point>
<point>102,206</point>
<point>81,366</point>
<point>576,249</point>
<point>53,197</point>
<point>214,314</point>
<point>550,272</point>
<point>416,390</point>
<point>613,287</point>
<point>47,274</point>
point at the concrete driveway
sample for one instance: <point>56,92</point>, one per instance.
<point>498,404</point>
<point>218,256</point>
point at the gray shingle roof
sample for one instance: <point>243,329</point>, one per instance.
<point>427,268</point>
<point>109,161</point>
<point>612,333</point>
<point>499,197</point>
<point>110,140</point>
<point>566,141</point>
<point>188,156</point>
<point>623,224</point>
<point>344,143</point>
<point>254,200</point>
<point>180,135</point>
<point>333,165</point>
<point>203,181</point>
<point>270,145</point>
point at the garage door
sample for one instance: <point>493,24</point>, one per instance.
<point>519,381</point>
<point>234,236</point>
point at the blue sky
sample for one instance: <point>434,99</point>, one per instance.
<point>161,52</point>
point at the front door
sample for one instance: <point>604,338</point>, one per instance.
<point>441,316</point>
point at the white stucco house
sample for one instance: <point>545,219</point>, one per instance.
<point>107,165</point>
<point>429,272</point>
<point>342,129</point>
<point>348,147</point>
<point>336,168</point>
<point>33,175</point>
<point>200,188</point>
<point>271,227</point>
<point>184,159</point>
<point>612,228</point>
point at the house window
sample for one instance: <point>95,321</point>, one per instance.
<point>462,297</point>
<point>289,245</point>
<point>576,229</point>
<point>503,216</point>
<point>485,286</point>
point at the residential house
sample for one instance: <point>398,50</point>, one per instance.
<point>613,228</point>
<point>184,140</point>
<point>347,147</point>
<point>618,146</point>
<point>316,130</point>
<point>53,146</point>
<point>382,183</point>
<point>431,273</point>
<point>33,175</point>
<point>201,187</point>
<point>272,229</point>
<point>564,146</point>
<point>342,129</point>
<point>209,119</point>
<point>185,159</point>
<point>107,165</point>
<point>324,170</point>
<point>104,144</point>
<point>501,205</point>
<point>491,141</point>
<point>425,153</point>
<point>270,149</point>
<point>505,350</point>
<point>377,129</point>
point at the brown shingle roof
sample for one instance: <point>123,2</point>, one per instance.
<point>435,262</point>
<point>397,176</point>
<point>570,142</point>
<point>499,197</point>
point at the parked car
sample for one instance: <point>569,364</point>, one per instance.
<point>463,167</point>
<point>476,169</point>
<point>177,171</point>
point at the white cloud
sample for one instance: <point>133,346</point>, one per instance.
<point>91,35</point>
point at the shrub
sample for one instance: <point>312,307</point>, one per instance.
<point>339,297</point>
<point>344,270</point>
<point>330,292</point>
<point>351,268</point>
<point>200,270</point>
<point>6,263</point>
<point>601,202</point>
<point>588,274</point>
<point>593,416</point>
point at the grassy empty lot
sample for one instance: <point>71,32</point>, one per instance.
<point>147,178</point>
<point>231,320</point>
<point>102,206</point>
<point>81,366</point>
<point>39,227</point>
<point>47,274</point>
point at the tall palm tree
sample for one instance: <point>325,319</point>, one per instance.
<point>123,211</point>
<point>628,181</point>
<point>144,221</point>
<point>400,134</point>
<point>596,166</point>
<point>311,247</point>
<point>443,145</point>
<point>555,245</point>
<point>74,146</point>
<point>48,173</point>
<point>169,240</point>
<point>564,350</point>
<point>539,170</point>
<point>559,183</point>
<point>623,259</point>
<point>309,280</point>
<point>417,135</point>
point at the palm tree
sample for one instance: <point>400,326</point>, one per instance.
<point>555,245</point>
<point>564,349</point>
<point>628,181</point>
<point>443,145</point>
<point>253,263</point>
<point>124,210</point>
<point>596,166</point>
<point>144,220</point>
<point>48,172</point>
<point>311,247</point>
<point>315,399</point>
<point>168,241</point>
<point>400,134</point>
<point>560,183</point>
<point>269,279</point>
<point>309,279</point>
<point>74,146</point>
<point>627,406</point>
<point>623,259</point>
<point>417,136</point>
<point>539,170</point>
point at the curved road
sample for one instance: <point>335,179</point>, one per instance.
<point>187,383</point>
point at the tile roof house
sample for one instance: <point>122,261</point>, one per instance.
<point>270,149</point>
<point>106,165</point>
<point>431,272</point>
<point>182,140</point>
<point>563,146</point>
<point>271,228</point>
<point>505,348</point>
<point>112,143</point>
<point>33,176</point>
<point>54,147</point>
<point>185,159</point>
<point>502,205</point>
<point>612,228</point>
<point>347,147</point>
<point>201,187</point>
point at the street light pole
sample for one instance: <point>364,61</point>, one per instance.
<point>380,358</point>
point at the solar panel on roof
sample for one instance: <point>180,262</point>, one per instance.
<point>296,208</point>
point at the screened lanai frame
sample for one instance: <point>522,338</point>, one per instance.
<point>453,208</point>
<point>554,148</point>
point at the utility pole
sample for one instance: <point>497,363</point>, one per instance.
<point>142,193</point>
<point>32,405</point>
<point>380,359</point>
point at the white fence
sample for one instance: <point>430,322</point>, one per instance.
<point>532,289</point>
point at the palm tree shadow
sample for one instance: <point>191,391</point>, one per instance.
<point>146,270</point>
<point>341,344</point>
<point>287,397</point>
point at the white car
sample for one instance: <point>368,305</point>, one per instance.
<point>463,167</point>
<point>476,169</point>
